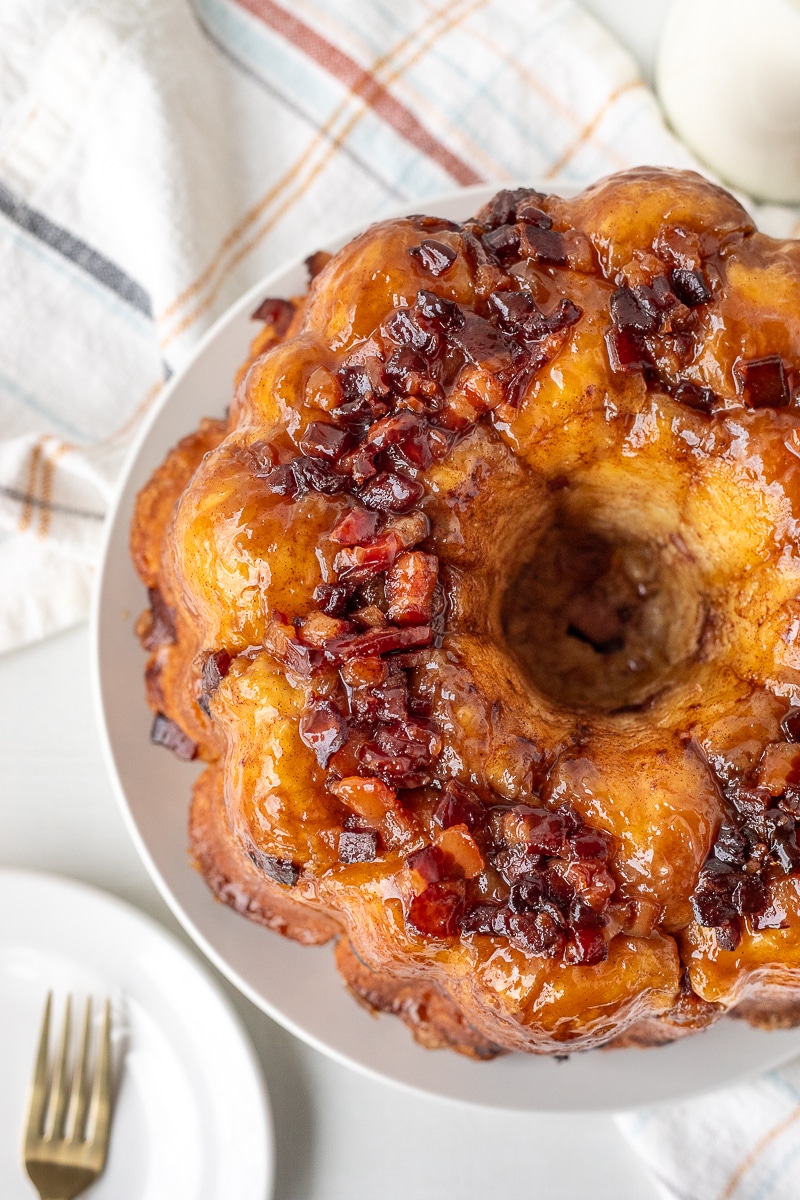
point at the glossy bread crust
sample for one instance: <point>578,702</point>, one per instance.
<point>482,606</point>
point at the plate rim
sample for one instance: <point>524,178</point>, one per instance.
<point>153,930</point>
<point>474,194</point>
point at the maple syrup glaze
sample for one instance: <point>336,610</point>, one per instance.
<point>484,604</point>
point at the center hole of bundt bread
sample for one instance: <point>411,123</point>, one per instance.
<point>602,619</point>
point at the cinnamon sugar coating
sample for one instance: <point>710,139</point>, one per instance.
<point>483,606</point>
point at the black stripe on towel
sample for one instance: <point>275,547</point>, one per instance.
<point>66,244</point>
<point>50,505</point>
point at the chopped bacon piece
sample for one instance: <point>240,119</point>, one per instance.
<point>356,527</point>
<point>332,598</point>
<point>587,946</point>
<point>762,381</point>
<point>370,798</point>
<point>428,865</point>
<point>410,584</point>
<point>275,312</point>
<point>160,631</point>
<point>378,641</point>
<point>355,564</point>
<point>281,642</point>
<point>435,257</point>
<point>317,261</point>
<point>461,851</point>
<point>436,912</point>
<point>388,491</point>
<point>542,245</point>
<point>317,629</point>
<point>165,732</point>
<point>215,668</point>
<point>358,845</point>
<point>321,440</point>
<point>627,351</point>
<point>457,806</point>
<point>282,870</point>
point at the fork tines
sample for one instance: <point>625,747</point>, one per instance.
<point>69,1108</point>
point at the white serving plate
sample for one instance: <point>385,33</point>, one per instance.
<point>297,985</point>
<point>192,1118</point>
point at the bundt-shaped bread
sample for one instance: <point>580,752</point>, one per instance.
<point>483,607</point>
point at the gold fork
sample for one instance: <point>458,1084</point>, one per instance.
<point>68,1123</point>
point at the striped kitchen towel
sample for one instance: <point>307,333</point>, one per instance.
<point>157,157</point>
<point>739,1144</point>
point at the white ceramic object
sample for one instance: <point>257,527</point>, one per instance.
<point>299,986</point>
<point>728,76</point>
<point>192,1118</point>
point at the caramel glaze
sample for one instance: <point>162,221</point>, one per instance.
<point>598,585</point>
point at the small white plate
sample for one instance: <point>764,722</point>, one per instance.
<point>296,985</point>
<point>192,1118</point>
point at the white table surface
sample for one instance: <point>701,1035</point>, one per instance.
<point>339,1136</point>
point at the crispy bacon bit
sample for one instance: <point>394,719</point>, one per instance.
<point>280,641</point>
<point>356,527</point>
<point>160,629</point>
<point>540,830</point>
<point>630,311</point>
<point>275,312</point>
<point>590,845</point>
<point>215,668</point>
<point>370,798</point>
<point>410,584</point>
<point>378,641</point>
<point>483,344</point>
<point>627,351</point>
<point>428,865</point>
<point>318,628</point>
<point>410,529</point>
<point>444,315</point>
<point>332,598</point>
<point>281,480</point>
<point>457,806</point>
<point>694,396</point>
<point>690,287</point>
<point>281,870</point>
<point>503,243</point>
<point>355,564</point>
<point>461,852</point>
<point>364,672</point>
<point>316,474</point>
<point>535,933</point>
<point>435,257</point>
<point>358,845</point>
<point>436,912</point>
<point>165,732</point>
<point>316,261</point>
<point>323,729</point>
<point>320,440</point>
<point>587,946</point>
<point>728,934</point>
<point>762,382</point>
<point>542,245</point>
<point>389,491</point>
